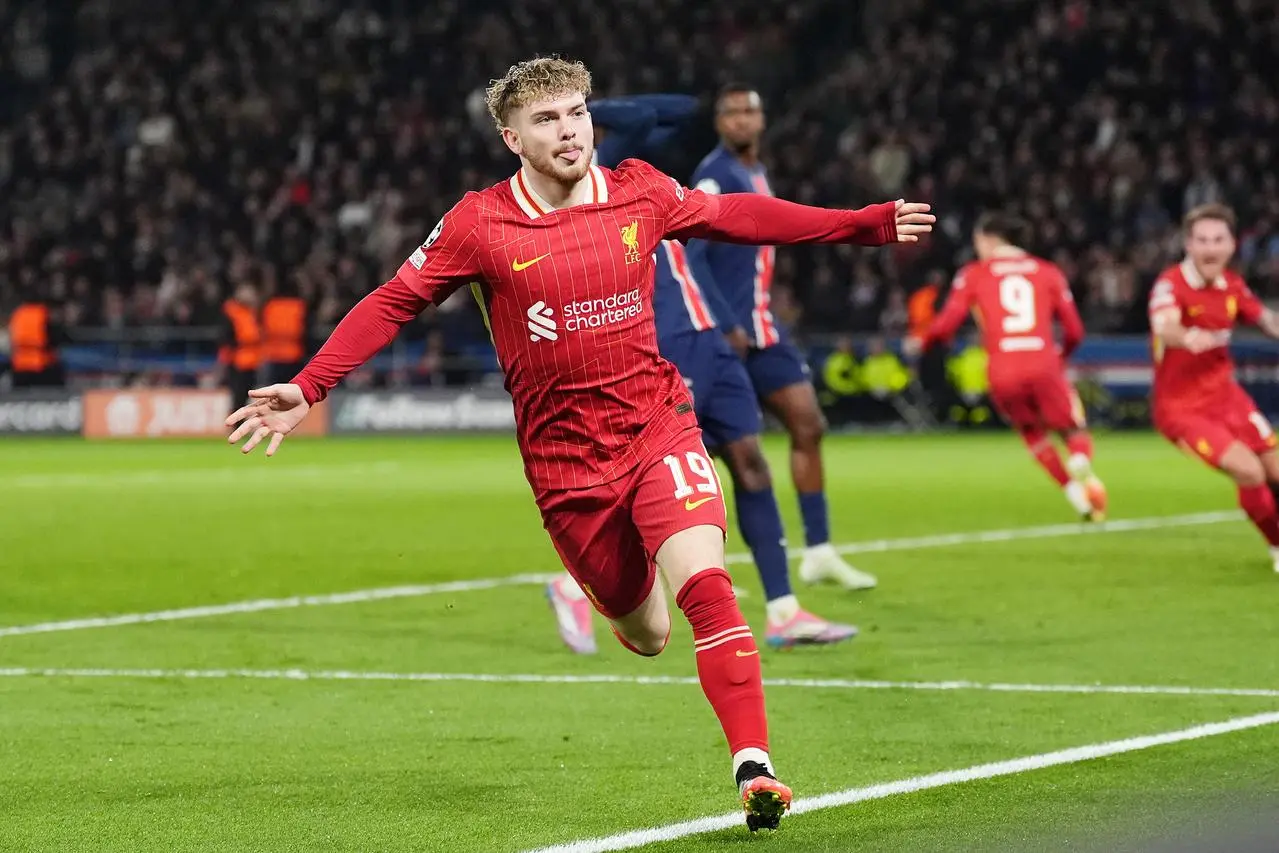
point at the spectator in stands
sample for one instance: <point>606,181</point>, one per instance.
<point>152,155</point>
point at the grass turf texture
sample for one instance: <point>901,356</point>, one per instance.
<point>251,764</point>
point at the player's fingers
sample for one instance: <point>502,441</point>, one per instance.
<point>914,229</point>
<point>904,208</point>
<point>244,429</point>
<point>906,238</point>
<point>265,393</point>
<point>917,218</point>
<point>239,415</point>
<point>255,439</point>
<point>275,443</point>
<point>249,411</point>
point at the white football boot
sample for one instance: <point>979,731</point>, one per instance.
<point>823,563</point>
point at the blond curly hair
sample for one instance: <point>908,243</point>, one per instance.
<point>542,78</point>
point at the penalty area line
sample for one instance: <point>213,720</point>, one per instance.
<point>359,596</point>
<point>639,680</point>
<point>850,796</point>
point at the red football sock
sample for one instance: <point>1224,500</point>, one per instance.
<point>727,658</point>
<point>1041,447</point>
<point>1080,442</point>
<point>1259,503</point>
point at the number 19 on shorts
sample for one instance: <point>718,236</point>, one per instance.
<point>702,471</point>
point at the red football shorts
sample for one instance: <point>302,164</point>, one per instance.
<point>608,535</point>
<point>1043,400</point>
<point>1207,430</point>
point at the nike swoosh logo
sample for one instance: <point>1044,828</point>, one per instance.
<point>1195,310</point>
<point>691,505</point>
<point>742,654</point>
<point>523,265</point>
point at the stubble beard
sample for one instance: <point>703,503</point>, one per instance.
<point>569,174</point>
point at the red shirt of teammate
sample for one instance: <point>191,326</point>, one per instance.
<point>1198,405</point>
<point>1017,298</point>
<point>561,259</point>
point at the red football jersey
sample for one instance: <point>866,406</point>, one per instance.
<point>1015,299</point>
<point>567,295</point>
<point>1187,380</point>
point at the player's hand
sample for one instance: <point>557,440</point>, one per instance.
<point>912,347</point>
<point>273,411</point>
<point>739,341</point>
<point>913,219</point>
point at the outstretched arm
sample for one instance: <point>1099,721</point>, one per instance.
<point>371,325</point>
<point>437,268</point>
<point>755,219</point>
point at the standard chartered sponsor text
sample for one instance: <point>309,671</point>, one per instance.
<point>594,313</point>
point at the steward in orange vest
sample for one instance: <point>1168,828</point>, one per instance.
<point>284,323</point>
<point>241,350</point>
<point>921,308</point>
<point>34,336</point>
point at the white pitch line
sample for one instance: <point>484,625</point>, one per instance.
<point>1047,531</point>
<point>381,593</point>
<point>642,680</point>
<point>259,605</point>
<point>1026,764</point>
<point>194,476</point>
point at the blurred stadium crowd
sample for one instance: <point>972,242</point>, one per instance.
<point>154,156</point>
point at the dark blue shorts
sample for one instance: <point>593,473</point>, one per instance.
<point>723,399</point>
<point>777,367</point>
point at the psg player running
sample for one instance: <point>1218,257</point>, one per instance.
<point>560,257</point>
<point>1198,405</point>
<point>1016,297</point>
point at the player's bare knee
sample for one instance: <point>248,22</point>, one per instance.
<point>1270,464</point>
<point>688,552</point>
<point>806,433</point>
<point>650,639</point>
<point>1243,466</point>
<point>748,465</point>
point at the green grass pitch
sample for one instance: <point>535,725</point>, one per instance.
<point>122,760</point>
